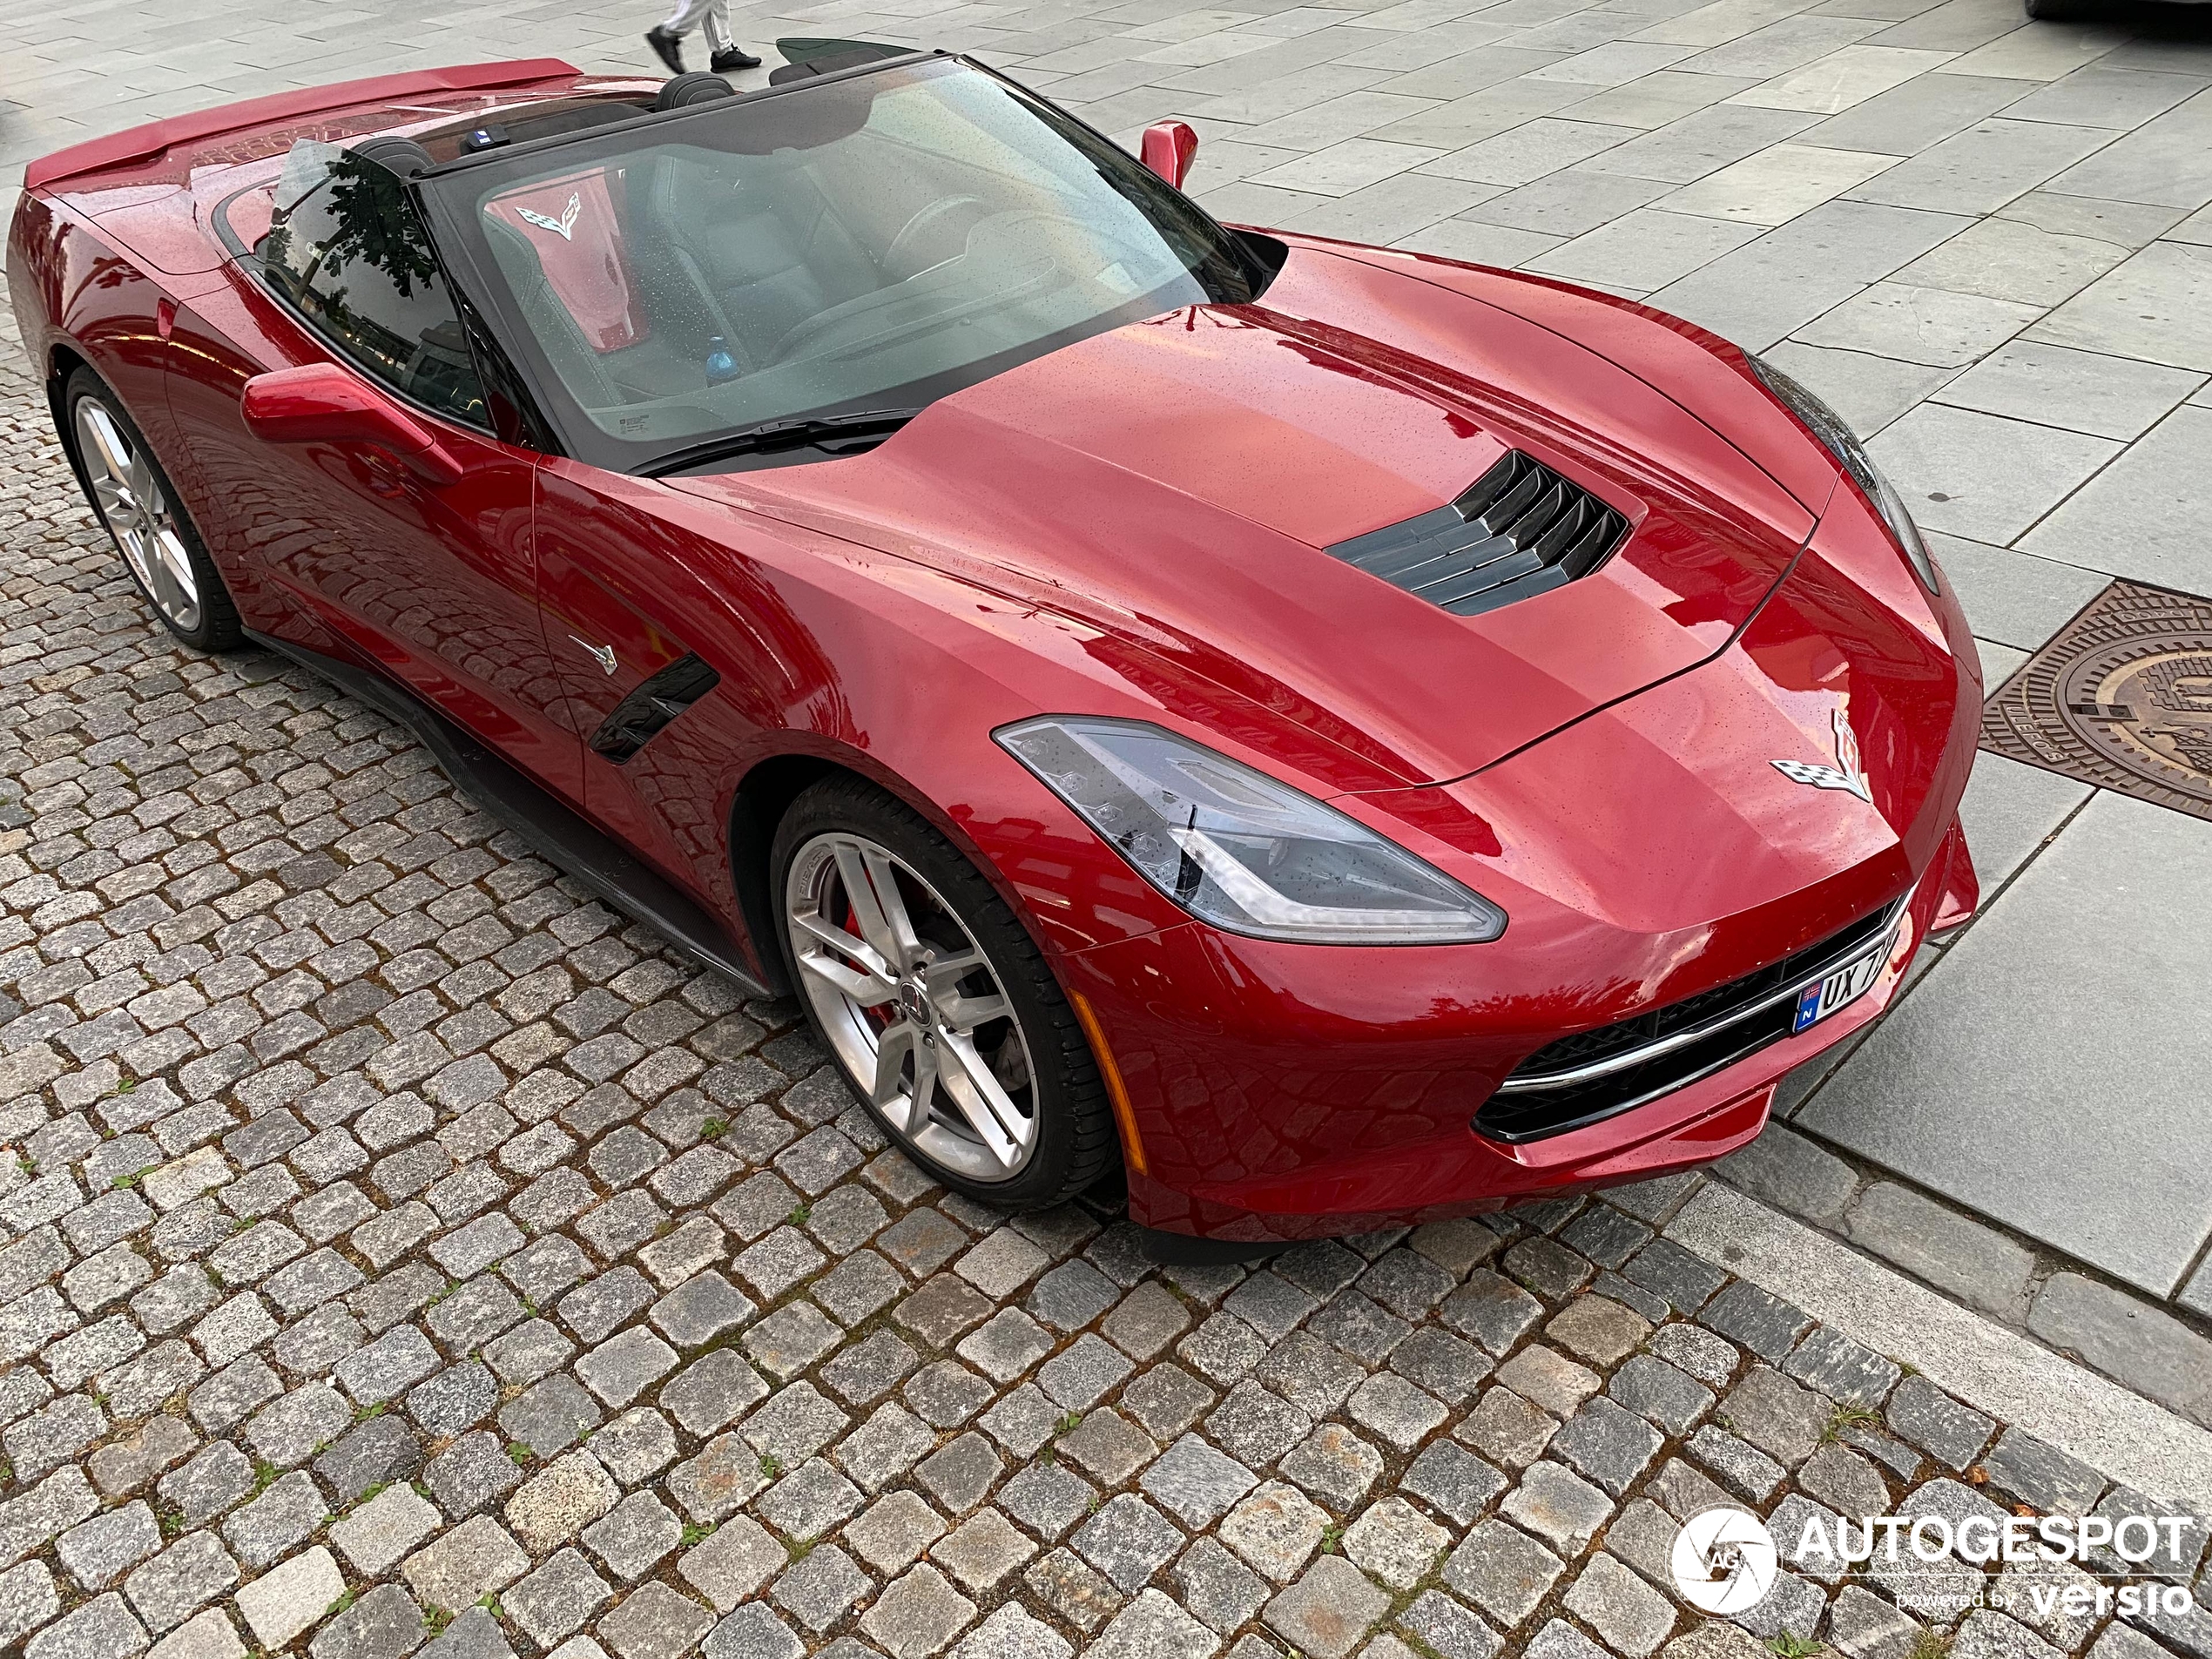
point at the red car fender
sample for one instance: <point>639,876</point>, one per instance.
<point>833,652</point>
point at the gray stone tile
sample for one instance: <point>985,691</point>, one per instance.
<point>1528,152</point>
<point>1392,208</point>
<point>1463,239</point>
<point>2166,162</point>
<point>1907,120</point>
<point>1643,250</point>
<point>2111,397</point>
<point>2013,597</point>
<point>2007,1027</point>
<point>1704,142</point>
<point>2130,224</point>
<point>1788,44</point>
<point>1333,120</point>
<point>1781,1167</point>
<point>2157,305</point>
<point>1466,73</point>
<point>1226,160</point>
<point>2144,515</point>
<point>1656,99</point>
<point>2009,812</point>
<point>1983,476</point>
<point>1246,202</point>
<point>2197,228</point>
<point>1918,325</point>
<point>1976,1263</point>
<point>2000,663</point>
<point>1470,117</point>
<point>1614,62</point>
<point>1568,203</point>
<point>2102,97</point>
<point>2009,259</point>
<point>1770,287</point>
<point>1982,168</point>
<point>1342,168</point>
<point>2149,1350</point>
<point>1843,79</point>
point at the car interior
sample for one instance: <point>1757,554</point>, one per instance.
<point>678,287</point>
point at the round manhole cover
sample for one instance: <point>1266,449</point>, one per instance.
<point>2121,697</point>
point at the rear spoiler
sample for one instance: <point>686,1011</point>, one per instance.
<point>148,142</point>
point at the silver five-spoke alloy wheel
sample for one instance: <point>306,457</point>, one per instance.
<point>137,514</point>
<point>913,1006</point>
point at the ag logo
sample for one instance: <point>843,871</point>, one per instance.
<point>1723,1560</point>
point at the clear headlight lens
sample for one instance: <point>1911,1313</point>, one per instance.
<point>1236,848</point>
<point>1843,443</point>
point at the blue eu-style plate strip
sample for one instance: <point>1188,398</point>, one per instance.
<point>1808,1008</point>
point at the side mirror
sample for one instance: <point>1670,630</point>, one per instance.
<point>322,402</point>
<point>1168,150</point>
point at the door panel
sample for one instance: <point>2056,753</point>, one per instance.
<point>657,576</point>
<point>614,632</point>
<point>434,583</point>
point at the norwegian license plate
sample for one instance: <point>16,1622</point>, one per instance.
<point>1841,988</point>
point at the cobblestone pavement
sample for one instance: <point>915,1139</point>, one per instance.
<point>1987,242</point>
<point>404,1254</point>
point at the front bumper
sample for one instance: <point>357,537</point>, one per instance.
<point>1271,1107</point>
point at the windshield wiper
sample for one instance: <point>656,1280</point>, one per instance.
<point>799,433</point>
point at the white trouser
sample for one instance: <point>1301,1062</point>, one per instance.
<point>690,14</point>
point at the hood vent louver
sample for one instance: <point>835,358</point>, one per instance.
<point>1521,528</point>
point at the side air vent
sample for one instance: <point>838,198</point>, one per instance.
<point>1520,530</point>
<point>632,722</point>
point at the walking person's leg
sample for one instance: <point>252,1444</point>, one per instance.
<point>727,54</point>
<point>667,40</point>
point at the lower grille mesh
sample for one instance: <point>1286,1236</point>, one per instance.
<point>1519,530</point>
<point>1741,1026</point>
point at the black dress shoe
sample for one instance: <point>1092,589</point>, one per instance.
<point>735,58</point>
<point>668,48</point>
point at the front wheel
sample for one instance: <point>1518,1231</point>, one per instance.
<point>938,1006</point>
<point>135,500</point>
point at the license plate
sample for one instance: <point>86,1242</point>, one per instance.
<point>1841,988</point>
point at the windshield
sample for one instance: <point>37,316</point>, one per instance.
<point>865,243</point>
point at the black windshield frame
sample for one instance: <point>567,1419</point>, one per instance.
<point>1237,267</point>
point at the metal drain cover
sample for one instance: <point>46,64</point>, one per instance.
<point>2121,697</point>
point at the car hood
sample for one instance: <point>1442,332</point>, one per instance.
<point>1175,483</point>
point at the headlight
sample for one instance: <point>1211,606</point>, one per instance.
<point>1840,442</point>
<point>1236,848</point>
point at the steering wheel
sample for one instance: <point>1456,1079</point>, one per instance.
<point>927,219</point>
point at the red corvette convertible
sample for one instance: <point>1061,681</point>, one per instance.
<point>1353,737</point>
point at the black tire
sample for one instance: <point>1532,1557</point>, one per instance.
<point>215,626</point>
<point>1076,1142</point>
